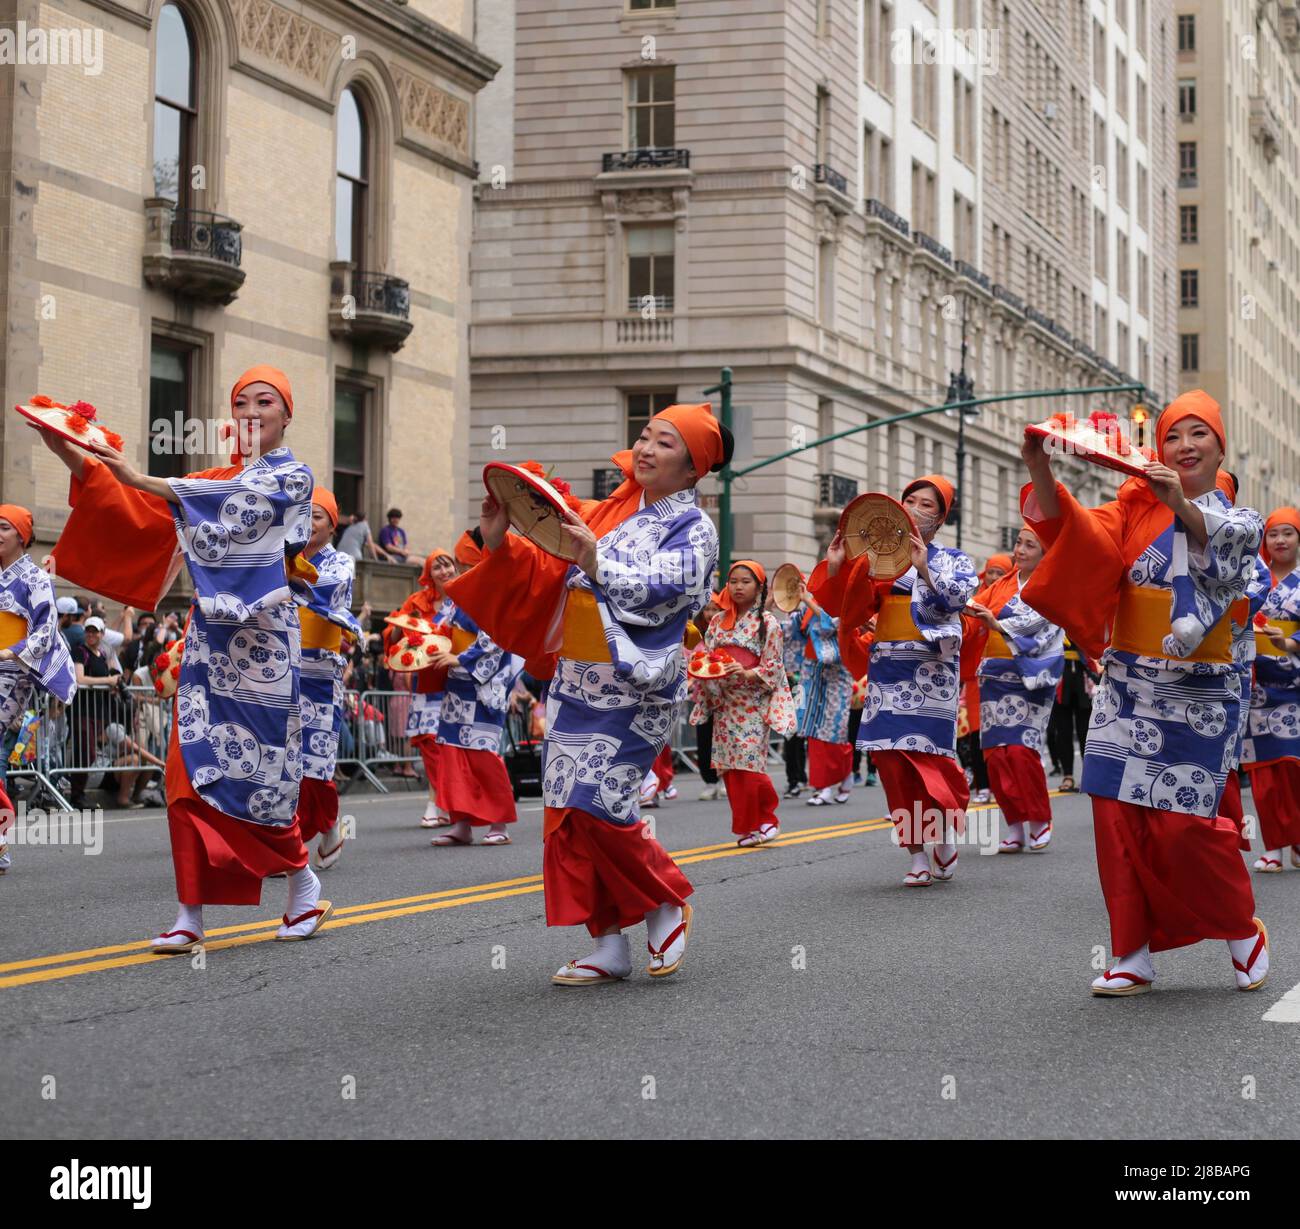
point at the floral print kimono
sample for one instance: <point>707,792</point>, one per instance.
<point>744,712</point>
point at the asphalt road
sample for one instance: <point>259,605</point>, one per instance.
<point>818,998</point>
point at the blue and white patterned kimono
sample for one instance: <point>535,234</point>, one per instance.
<point>473,709</point>
<point>1243,649</point>
<point>1163,732</point>
<point>606,721</point>
<point>321,700</point>
<point>912,685</point>
<point>1273,718</point>
<point>237,705</point>
<point>426,706</point>
<point>826,695</point>
<point>41,658</point>
<point>1017,692</point>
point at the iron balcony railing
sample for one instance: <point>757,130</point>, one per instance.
<point>878,209</point>
<point>378,292</point>
<point>207,234</point>
<point>822,173</point>
<point>933,246</point>
<point>1011,300</point>
<point>658,302</point>
<point>650,158</point>
<point>971,273</point>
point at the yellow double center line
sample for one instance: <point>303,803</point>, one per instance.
<point>127,955</point>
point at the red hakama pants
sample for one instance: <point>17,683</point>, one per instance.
<point>600,874</point>
<point>220,860</point>
<point>663,767</point>
<point>753,800</point>
<point>1019,784</point>
<point>318,807</point>
<point>474,786</point>
<point>1230,808</point>
<point>1169,878</point>
<point>828,763</point>
<point>925,793</point>
<point>1275,786</point>
<point>427,746</point>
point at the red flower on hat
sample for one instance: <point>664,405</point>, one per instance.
<point>113,439</point>
<point>407,658</point>
<point>76,424</point>
<point>176,671</point>
<point>83,409</point>
<point>46,403</point>
<point>1260,621</point>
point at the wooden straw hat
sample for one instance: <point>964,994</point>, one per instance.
<point>75,423</point>
<point>787,588</point>
<point>535,508</point>
<point>878,526</point>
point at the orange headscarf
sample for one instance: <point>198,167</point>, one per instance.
<point>263,374</point>
<point>426,572</point>
<point>467,550</point>
<point>1194,404</point>
<point>940,484</point>
<point>723,599</point>
<point>998,561</point>
<point>1279,516</point>
<point>20,519</point>
<point>325,499</point>
<point>697,426</point>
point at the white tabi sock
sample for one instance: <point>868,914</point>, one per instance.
<point>304,891</point>
<point>920,862</point>
<point>431,810</point>
<point>1241,950</point>
<point>1016,832</point>
<point>612,955</point>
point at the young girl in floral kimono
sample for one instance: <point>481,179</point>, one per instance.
<point>1151,583</point>
<point>751,699</point>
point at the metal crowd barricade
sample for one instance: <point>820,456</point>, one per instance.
<point>379,733</point>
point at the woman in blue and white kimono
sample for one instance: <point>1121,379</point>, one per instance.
<point>235,760</point>
<point>614,622</point>
<point>1023,658</point>
<point>909,720</point>
<point>825,703</point>
<point>34,656</point>
<point>473,784</point>
<point>327,624</point>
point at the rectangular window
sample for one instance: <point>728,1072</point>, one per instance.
<point>1190,351</point>
<point>1144,284</point>
<point>1121,83</point>
<point>1121,265</point>
<point>1142,197</point>
<point>636,6</point>
<point>1186,32</point>
<point>1140,24</point>
<point>1099,243</point>
<point>650,108</point>
<point>1189,288</point>
<point>1121,174</point>
<point>640,408</point>
<point>1099,54</point>
<point>351,446</point>
<point>1141,109</point>
<point>821,133</point>
<point>649,268</point>
<point>1188,224</point>
<point>1186,98</point>
<point>1187,169</point>
<point>171,406</point>
<point>1098,140</point>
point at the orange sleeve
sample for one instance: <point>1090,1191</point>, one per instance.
<point>118,542</point>
<point>855,650</point>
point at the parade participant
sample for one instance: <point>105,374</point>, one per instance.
<point>1243,657</point>
<point>968,743</point>
<point>713,787</point>
<point>909,721</point>
<point>751,698</point>
<point>1146,583</point>
<point>1271,752</point>
<point>795,750</point>
<point>326,618</point>
<point>645,557</point>
<point>34,655</point>
<point>825,708</point>
<point>1070,713</point>
<point>473,782</point>
<point>1022,655</point>
<point>235,758</point>
<point>431,603</point>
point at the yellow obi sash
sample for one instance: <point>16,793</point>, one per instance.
<point>1263,645</point>
<point>318,633</point>
<point>997,645</point>
<point>584,633</point>
<point>1142,623</point>
<point>13,628</point>
<point>1071,654</point>
<point>895,622</point>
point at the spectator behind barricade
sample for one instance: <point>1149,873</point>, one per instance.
<point>143,646</point>
<point>70,628</point>
<point>96,704</point>
<point>392,537</point>
<point>356,541</point>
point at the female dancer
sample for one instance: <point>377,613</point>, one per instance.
<point>968,744</point>
<point>1023,655</point>
<point>827,698</point>
<point>909,721</point>
<point>235,759</point>
<point>473,783</point>
<point>793,640</point>
<point>34,654</point>
<point>325,617</point>
<point>1146,583</point>
<point>752,698</point>
<point>1271,752</point>
<point>645,558</point>
<point>431,603</point>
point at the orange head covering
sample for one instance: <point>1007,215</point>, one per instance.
<point>998,561</point>
<point>325,499</point>
<point>20,519</point>
<point>1280,516</point>
<point>467,550</point>
<point>426,572</point>
<point>697,426</point>
<point>262,374</point>
<point>723,599</point>
<point>940,484</point>
<point>1195,404</point>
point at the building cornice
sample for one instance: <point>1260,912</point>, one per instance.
<point>454,55</point>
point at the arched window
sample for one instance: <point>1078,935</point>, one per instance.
<point>351,181</point>
<point>175,108</point>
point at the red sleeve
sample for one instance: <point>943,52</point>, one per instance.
<point>105,516</point>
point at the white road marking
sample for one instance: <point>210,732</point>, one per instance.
<point>1287,1009</point>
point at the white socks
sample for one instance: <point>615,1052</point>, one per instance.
<point>431,810</point>
<point>612,956</point>
<point>304,891</point>
<point>1241,950</point>
<point>188,917</point>
<point>1016,832</point>
<point>659,924</point>
<point>920,862</point>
